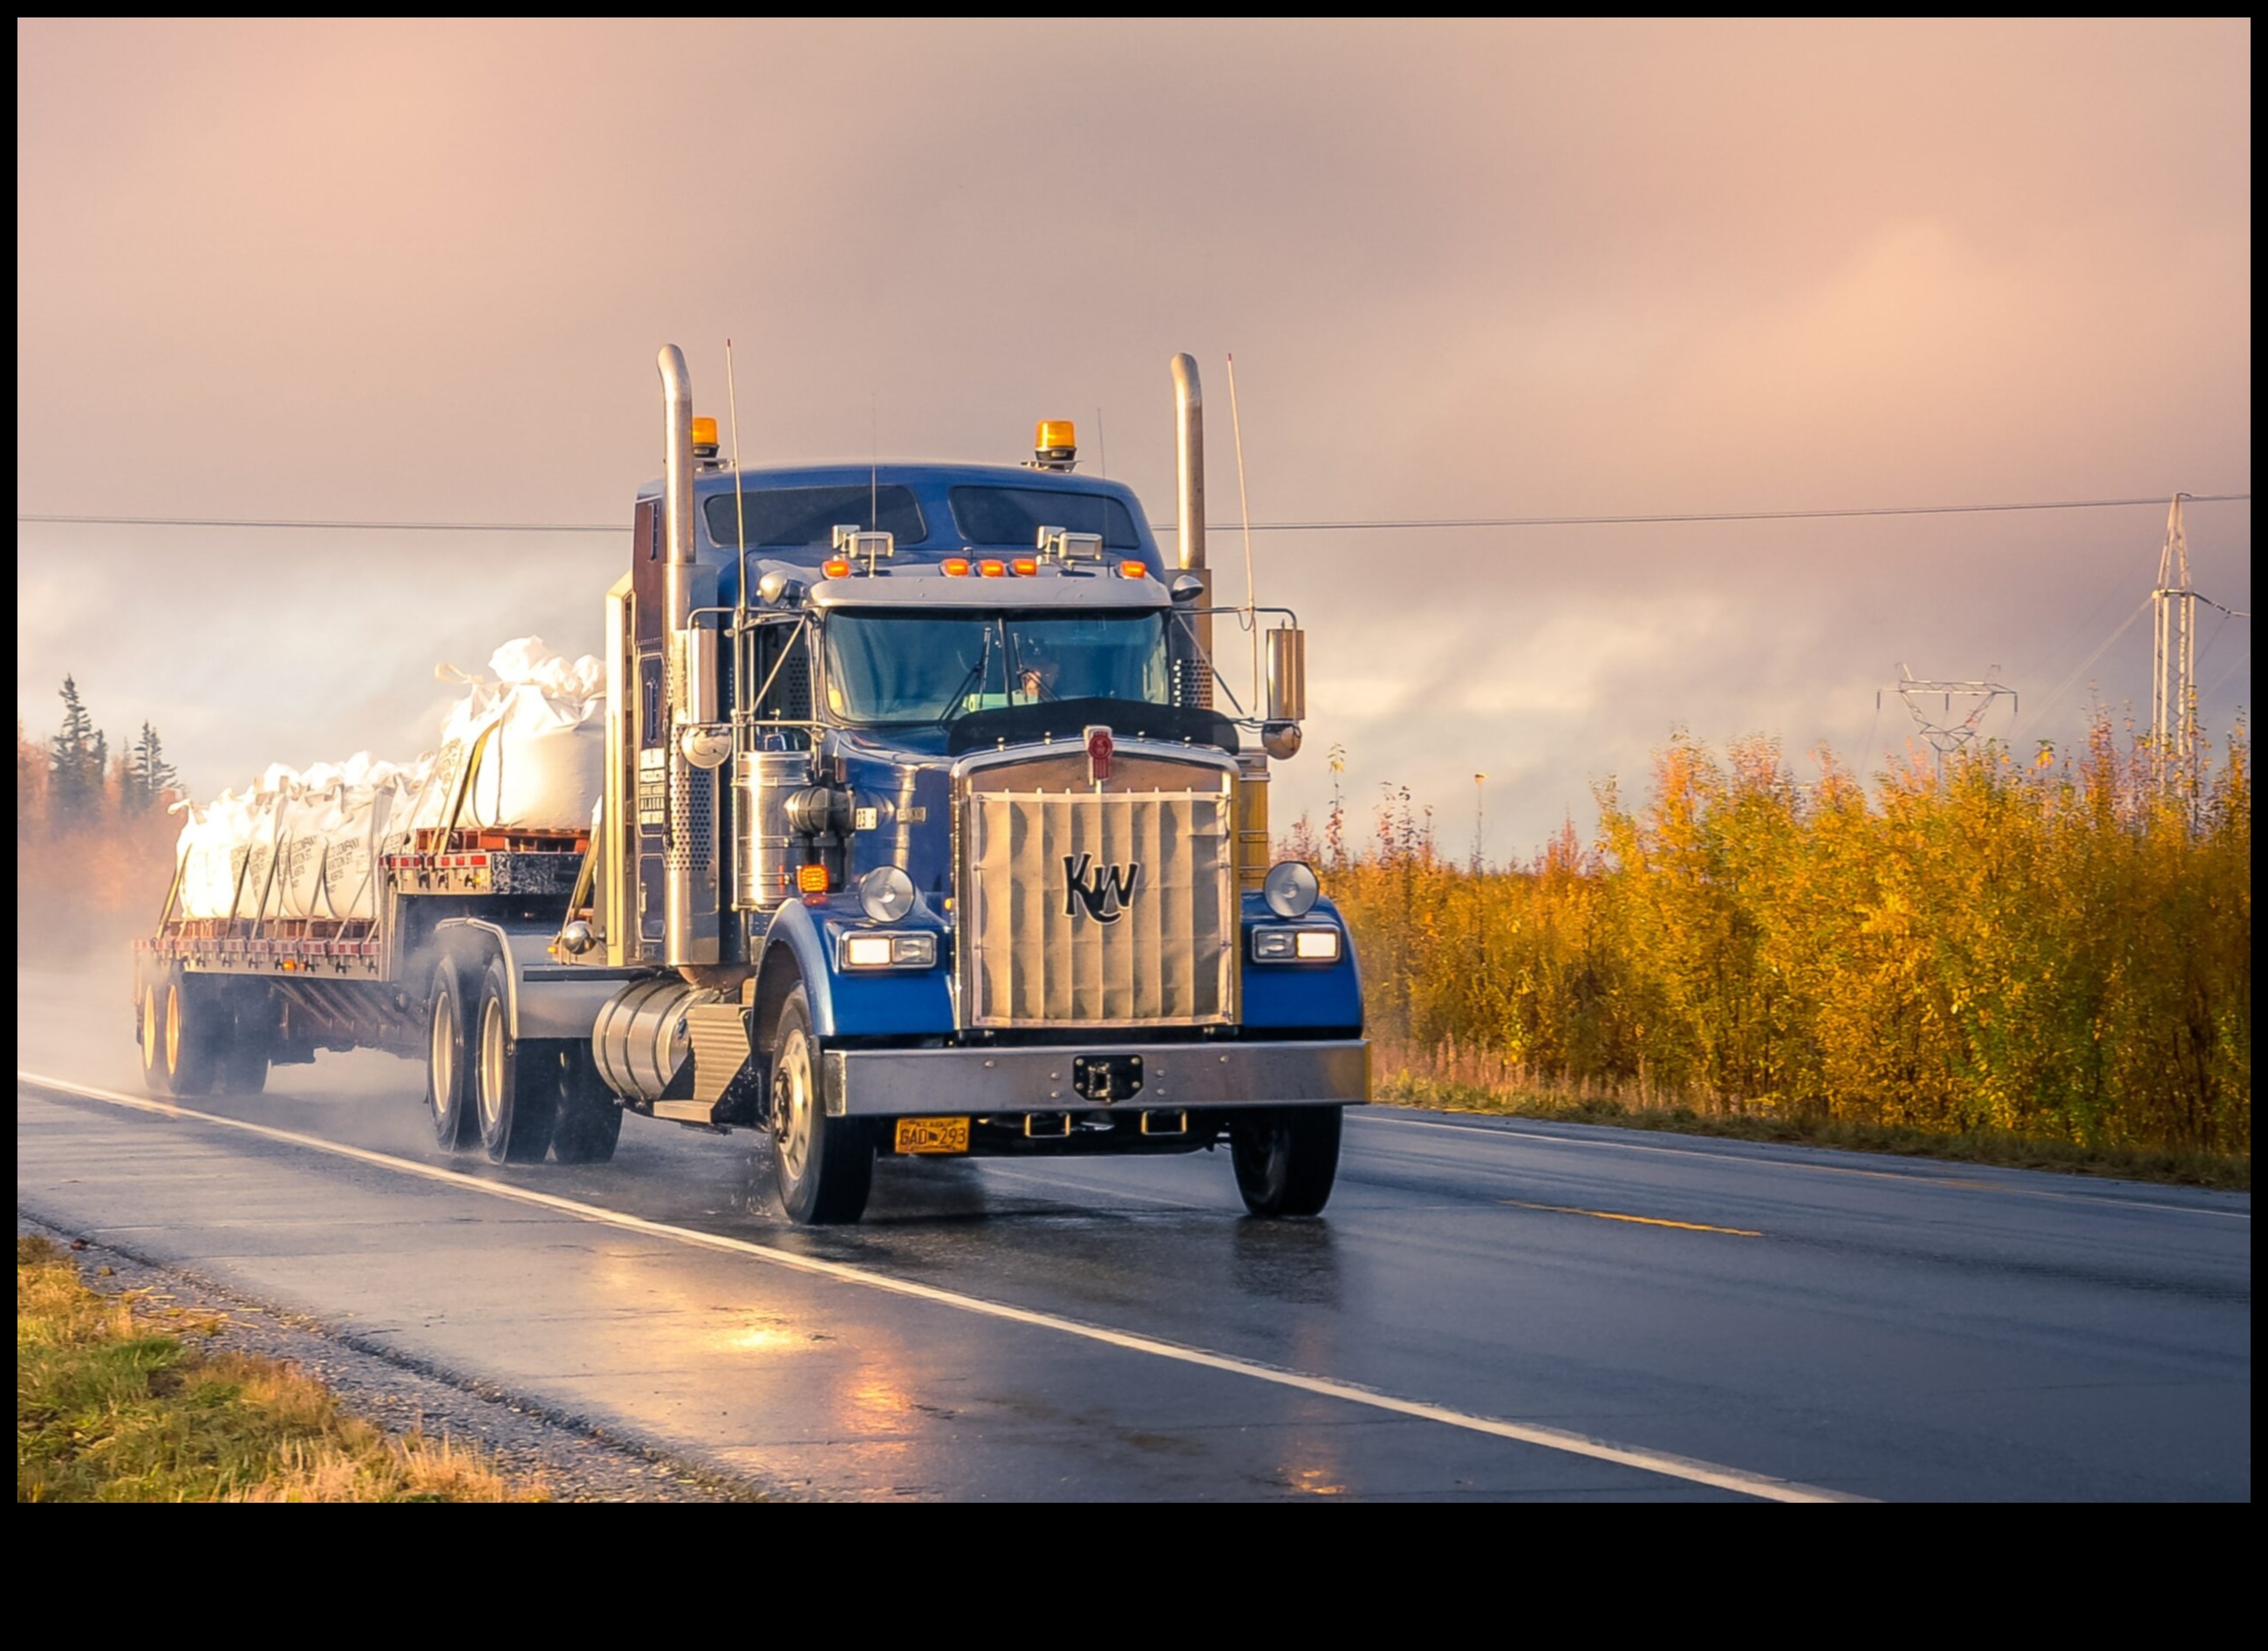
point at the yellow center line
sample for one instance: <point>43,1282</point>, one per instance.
<point>1643,1221</point>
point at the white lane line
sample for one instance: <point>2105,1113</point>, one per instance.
<point>1919,1179</point>
<point>1675,1467</point>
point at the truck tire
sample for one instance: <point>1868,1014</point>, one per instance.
<point>825,1165</point>
<point>589,1119</point>
<point>448,1065</point>
<point>186,1016</point>
<point>515,1081</point>
<point>242,1066</point>
<point>1287,1161</point>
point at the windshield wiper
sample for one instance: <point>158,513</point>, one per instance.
<point>975,678</point>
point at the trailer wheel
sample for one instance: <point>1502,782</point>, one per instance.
<point>186,1016</point>
<point>149,1031</point>
<point>516,1081</point>
<point>242,1064</point>
<point>1286,1162</point>
<point>448,1086</point>
<point>825,1165</point>
<point>590,1119</point>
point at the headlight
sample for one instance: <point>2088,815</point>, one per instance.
<point>1290,888</point>
<point>1295,945</point>
<point>885,894</point>
<point>889,951</point>
<point>866,951</point>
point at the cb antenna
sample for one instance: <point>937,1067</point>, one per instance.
<point>1244,502</point>
<point>740,500</point>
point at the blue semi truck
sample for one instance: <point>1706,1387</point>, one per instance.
<point>928,828</point>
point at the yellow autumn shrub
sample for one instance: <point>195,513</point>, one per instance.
<point>2055,948</point>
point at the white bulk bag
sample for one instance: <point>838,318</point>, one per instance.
<point>193,853</point>
<point>262,832</point>
<point>410,785</point>
<point>308,816</point>
<point>532,737</point>
<point>225,828</point>
<point>358,841</point>
<point>540,764</point>
<point>470,719</point>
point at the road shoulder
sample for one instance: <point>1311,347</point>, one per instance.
<point>575,1464</point>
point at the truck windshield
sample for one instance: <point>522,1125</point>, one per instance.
<point>935,667</point>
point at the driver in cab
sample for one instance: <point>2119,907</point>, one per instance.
<point>1036,679</point>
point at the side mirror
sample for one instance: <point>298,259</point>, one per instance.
<point>1287,674</point>
<point>778,589</point>
<point>706,744</point>
<point>1186,588</point>
<point>695,663</point>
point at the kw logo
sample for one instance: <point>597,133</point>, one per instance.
<point>1105,893</point>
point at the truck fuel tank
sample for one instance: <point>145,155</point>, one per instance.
<point>767,852</point>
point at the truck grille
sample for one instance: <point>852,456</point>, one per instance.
<point>1086,909</point>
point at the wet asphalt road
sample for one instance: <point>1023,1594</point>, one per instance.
<point>1718,1321</point>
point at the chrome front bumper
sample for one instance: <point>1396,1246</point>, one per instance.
<point>905,1083</point>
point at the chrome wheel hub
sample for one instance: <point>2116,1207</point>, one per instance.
<point>442,1057</point>
<point>492,1066</point>
<point>791,1105</point>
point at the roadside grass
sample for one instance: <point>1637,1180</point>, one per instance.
<point>115,1402</point>
<point>1412,1089</point>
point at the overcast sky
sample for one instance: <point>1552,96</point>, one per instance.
<point>419,272</point>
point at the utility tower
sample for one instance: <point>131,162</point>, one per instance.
<point>1945,735</point>
<point>2173,663</point>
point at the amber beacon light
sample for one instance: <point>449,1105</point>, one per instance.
<point>1055,444</point>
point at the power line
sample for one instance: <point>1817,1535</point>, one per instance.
<point>1731,516</point>
<point>1381,525</point>
<point>385,527</point>
<point>2040,707</point>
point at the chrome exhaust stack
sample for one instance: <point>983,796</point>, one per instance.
<point>692,913</point>
<point>1190,526</point>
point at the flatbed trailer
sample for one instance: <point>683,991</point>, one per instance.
<point>336,983</point>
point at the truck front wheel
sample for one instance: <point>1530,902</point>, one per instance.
<point>1286,1163</point>
<point>825,1165</point>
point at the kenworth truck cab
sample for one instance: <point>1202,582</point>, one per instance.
<point>923,832</point>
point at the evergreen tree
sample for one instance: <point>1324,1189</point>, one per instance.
<point>77,758</point>
<point>31,786</point>
<point>149,776</point>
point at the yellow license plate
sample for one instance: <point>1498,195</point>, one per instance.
<point>932,1134</point>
